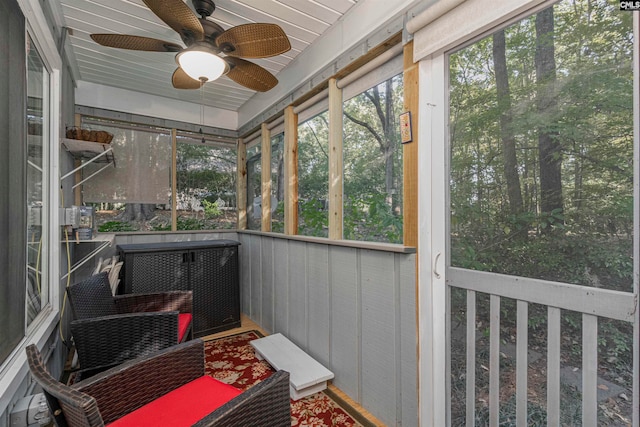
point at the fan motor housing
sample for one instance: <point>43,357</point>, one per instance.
<point>204,7</point>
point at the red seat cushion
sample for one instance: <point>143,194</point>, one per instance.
<point>184,320</point>
<point>183,406</point>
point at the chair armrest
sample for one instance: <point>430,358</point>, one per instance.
<point>266,404</point>
<point>108,340</point>
<point>133,384</point>
<point>181,301</point>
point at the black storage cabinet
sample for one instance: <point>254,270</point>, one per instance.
<point>209,268</point>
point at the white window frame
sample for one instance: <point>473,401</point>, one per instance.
<point>14,370</point>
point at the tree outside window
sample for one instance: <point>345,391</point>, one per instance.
<point>373,164</point>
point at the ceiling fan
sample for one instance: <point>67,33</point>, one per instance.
<point>211,51</point>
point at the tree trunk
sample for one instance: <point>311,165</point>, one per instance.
<point>280,183</point>
<point>510,159</point>
<point>138,212</point>
<point>549,149</point>
<point>387,140</point>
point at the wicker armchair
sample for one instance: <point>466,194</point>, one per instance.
<point>122,394</point>
<point>108,329</point>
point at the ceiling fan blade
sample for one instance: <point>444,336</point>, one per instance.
<point>177,15</point>
<point>181,80</point>
<point>254,41</point>
<point>124,41</point>
<point>250,75</point>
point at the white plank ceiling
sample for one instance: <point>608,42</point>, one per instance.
<point>150,72</point>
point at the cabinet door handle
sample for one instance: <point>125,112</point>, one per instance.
<point>185,258</point>
<point>193,257</point>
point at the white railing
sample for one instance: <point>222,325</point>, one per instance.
<point>592,303</point>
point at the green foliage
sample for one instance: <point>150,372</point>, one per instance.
<point>277,223</point>
<point>370,218</point>
<point>372,167</point>
<point>211,210</point>
<point>183,223</point>
<point>190,224</point>
<point>588,240</point>
<point>115,226</point>
<point>207,173</point>
<point>313,219</point>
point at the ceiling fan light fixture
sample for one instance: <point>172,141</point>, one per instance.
<point>201,63</point>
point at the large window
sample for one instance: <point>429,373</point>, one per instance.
<point>205,181</point>
<point>541,131</point>
<point>542,148</point>
<point>277,182</point>
<point>136,193</point>
<point>372,161</point>
<point>313,176</point>
<point>127,194</point>
<point>37,182</point>
<point>254,187</point>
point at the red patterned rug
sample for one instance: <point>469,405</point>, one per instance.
<point>233,361</point>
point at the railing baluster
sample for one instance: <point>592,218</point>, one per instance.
<point>471,358</point>
<point>553,367</point>
<point>589,370</point>
<point>522,362</point>
<point>494,362</point>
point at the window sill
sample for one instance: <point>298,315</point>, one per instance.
<point>374,246</point>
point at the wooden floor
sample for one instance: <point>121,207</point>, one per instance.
<point>249,325</point>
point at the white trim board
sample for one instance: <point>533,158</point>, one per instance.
<point>116,99</point>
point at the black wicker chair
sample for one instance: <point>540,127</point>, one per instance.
<point>113,395</point>
<point>108,329</point>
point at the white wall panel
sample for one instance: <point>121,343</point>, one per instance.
<point>352,309</point>
<point>407,331</point>
<point>318,302</point>
<point>244,257</point>
<point>297,297</point>
<point>116,99</point>
<point>266,286</point>
<point>379,307</point>
<point>281,286</point>
<point>255,266</point>
<point>345,319</point>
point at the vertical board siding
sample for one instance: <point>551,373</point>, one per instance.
<point>244,257</point>
<point>297,308</point>
<point>318,303</point>
<point>408,326</point>
<point>255,267</point>
<point>281,286</point>
<point>377,335</point>
<point>345,320</point>
<point>267,322</point>
<point>352,309</point>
